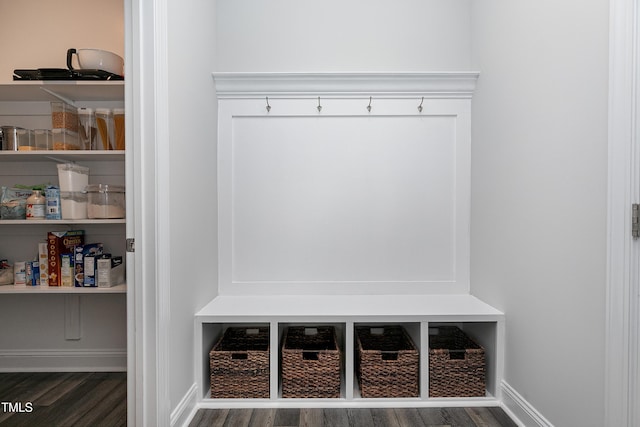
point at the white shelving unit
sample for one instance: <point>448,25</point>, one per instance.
<point>343,200</point>
<point>27,104</point>
<point>416,313</point>
<point>11,289</point>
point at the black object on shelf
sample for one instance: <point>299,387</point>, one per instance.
<point>63,74</point>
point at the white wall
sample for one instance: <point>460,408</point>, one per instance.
<point>193,215</point>
<point>538,216</point>
<point>539,155</point>
<point>37,33</point>
<point>335,35</point>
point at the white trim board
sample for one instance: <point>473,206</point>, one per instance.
<point>521,411</point>
<point>186,409</point>
<point>427,84</point>
<point>622,251</point>
<point>55,360</point>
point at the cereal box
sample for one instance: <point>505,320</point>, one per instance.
<point>58,243</point>
<point>82,251</point>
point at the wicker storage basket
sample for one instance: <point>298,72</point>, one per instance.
<point>239,364</point>
<point>387,362</point>
<point>310,362</point>
<point>456,364</point>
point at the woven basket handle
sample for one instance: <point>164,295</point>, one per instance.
<point>457,354</point>
<point>239,356</point>
<point>389,355</point>
<point>310,355</point>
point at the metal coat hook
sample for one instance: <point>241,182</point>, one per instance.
<point>420,106</point>
<point>319,106</point>
<point>268,106</point>
<point>369,106</point>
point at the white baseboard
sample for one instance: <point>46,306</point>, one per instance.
<point>521,411</point>
<point>185,410</point>
<point>47,360</point>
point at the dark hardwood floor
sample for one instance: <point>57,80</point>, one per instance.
<point>63,399</point>
<point>353,417</point>
<point>100,399</point>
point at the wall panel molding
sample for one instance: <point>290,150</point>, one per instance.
<point>340,192</point>
<point>434,84</point>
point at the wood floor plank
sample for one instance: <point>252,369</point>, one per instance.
<point>433,417</point>
<point>287,417</point>
<point>335,417</point>
<point>62,388</point>
<point>360,417</point>
<point>211,418</point>
<point>408,417</point>
<point>89,394</point>
<point>27,387</point>
<point>75,403</point>
<point>502,417</point>
<point>238,418</point>
<point>311,417</point>
<point>263,417</point>
<point>384,417</point>
<point>106,406</point>
<point>458,417</point>
<point>116,418</point>
<point>482,417</point>
<point>8,381</point>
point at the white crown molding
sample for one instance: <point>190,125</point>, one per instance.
<point>427,84</point>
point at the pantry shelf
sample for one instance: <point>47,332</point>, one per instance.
<point>61,221</point>
<point>61,155</point>
<point>34,90</point>
<point>11,289</point>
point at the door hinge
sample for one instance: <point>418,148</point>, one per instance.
<point>635,220</point>
<point>131,245</point>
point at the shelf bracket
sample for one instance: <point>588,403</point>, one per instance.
<point>60,97</point>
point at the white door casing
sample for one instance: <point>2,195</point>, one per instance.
<point>621,371</point>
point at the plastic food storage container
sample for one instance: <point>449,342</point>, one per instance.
<point>9,137</point>
<point>118,128</point>
<point>106,201</point>
<point>73,204</point>
<point>26,142</point>
<point>42,139</point>
<point>87,128</point>
<point>104,122</point>
<point>64,116</point>
<point>72,177</point>
<point>64,139</point>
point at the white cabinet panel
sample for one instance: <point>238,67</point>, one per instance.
<point>362,188</point>
<point>343,199</point>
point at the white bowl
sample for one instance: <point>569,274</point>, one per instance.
<point>97,59</point>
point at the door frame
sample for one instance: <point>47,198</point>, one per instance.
<point>148,311</point>
<point>622,311</point>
